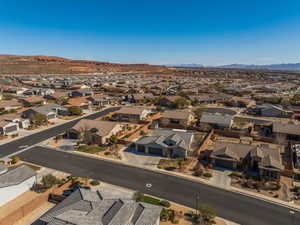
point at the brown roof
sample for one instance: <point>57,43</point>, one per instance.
<point>176,114</point>
<point>103,127</point>
<point>3,123</point>
<point>131,110</point>
<point>78,101</point>
<point>34,99</point>
<point>9,103</point>
<point>286,128</point>
<point>270,157</point>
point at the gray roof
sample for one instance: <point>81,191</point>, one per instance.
<point>48,108</point>
<point>163,137</point>
<point>270,157</point>
<point>85,207</point>
<point>16,175</point>
<point>216,119</point>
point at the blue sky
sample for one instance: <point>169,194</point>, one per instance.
<point>210,32</point>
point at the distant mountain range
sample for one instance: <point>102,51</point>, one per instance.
<point>284,66</point>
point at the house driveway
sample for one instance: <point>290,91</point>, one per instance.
<point>140,159</point>
<point>221,178</point>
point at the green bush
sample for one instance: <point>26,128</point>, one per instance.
<point>75,111</point>
<point>165,203</point>
<point>49,180</point>
<point>164,215</point>
<point>207,175</point>
<point>94,183</point>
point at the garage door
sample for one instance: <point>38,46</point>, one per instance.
<point>51,116</point>
<point>141,148</point>
<point>224,163</point>
<point>11,129</point>
<point>155,151</point>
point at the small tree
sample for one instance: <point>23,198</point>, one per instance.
<point>181,103</point>
<point>49,180</point>
<point>39,119</point>
<point>75,110</point>
<point>207,214</point>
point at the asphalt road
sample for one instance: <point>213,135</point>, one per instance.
<point>14,146</point>
<point>232,206</point>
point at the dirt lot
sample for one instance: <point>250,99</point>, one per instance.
<point>185,221</point>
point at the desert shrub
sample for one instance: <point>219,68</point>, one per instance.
<point>94,183</point>
<point>164,203</point>
<point>207,175</point>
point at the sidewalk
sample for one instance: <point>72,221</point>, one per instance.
<point>289,205</point>
<point>59,122</point>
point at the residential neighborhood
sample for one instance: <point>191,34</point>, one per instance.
<point>224,139</point>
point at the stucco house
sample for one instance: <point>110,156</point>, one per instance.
<point>50,110</point>
<point>176,119</point>
<point>263,159</point>
<point>167,143</point>
<point>8,128</point>
<point>102,207</point>
<point>132,114</point>
<point>15,181</point>
<point>94,131</point>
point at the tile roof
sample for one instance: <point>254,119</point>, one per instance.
<point>84,207</point>
<point>103,127</point>
<point>131,110</point>
<point>176,114</point>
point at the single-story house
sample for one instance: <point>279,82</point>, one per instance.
<point>94,131</point>
<point>176,118</point>
<point>139,98</point>
<point>33,101</point>
<point>8,128</point>
<point>15,181</point>
<point>216,120</point>
<point>167,143</point>
<point>268,110</point>
<point>263,159</point>
<point>101,207</point>
<point>80,102</point>
<point>132,114</point>
<point>81,92</point>
<point>51,111</point>
<point>9,105</point>
<point>16,118</point>
<point>57,96</point>
<point>169,101</point>
<point>100,100</point>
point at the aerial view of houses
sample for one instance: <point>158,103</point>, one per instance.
<point>149,112</point>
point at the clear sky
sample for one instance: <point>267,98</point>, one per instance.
<point>210,32</point>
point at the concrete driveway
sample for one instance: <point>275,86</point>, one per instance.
<point>221,178</point>
<point>140,159</point>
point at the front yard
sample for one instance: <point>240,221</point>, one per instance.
<point>178,164</point>
<point>92,149</point>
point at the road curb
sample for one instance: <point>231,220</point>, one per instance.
<point>191,179</point>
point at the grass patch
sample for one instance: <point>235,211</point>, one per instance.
<point>90,149</point>
<point>150,200</point>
